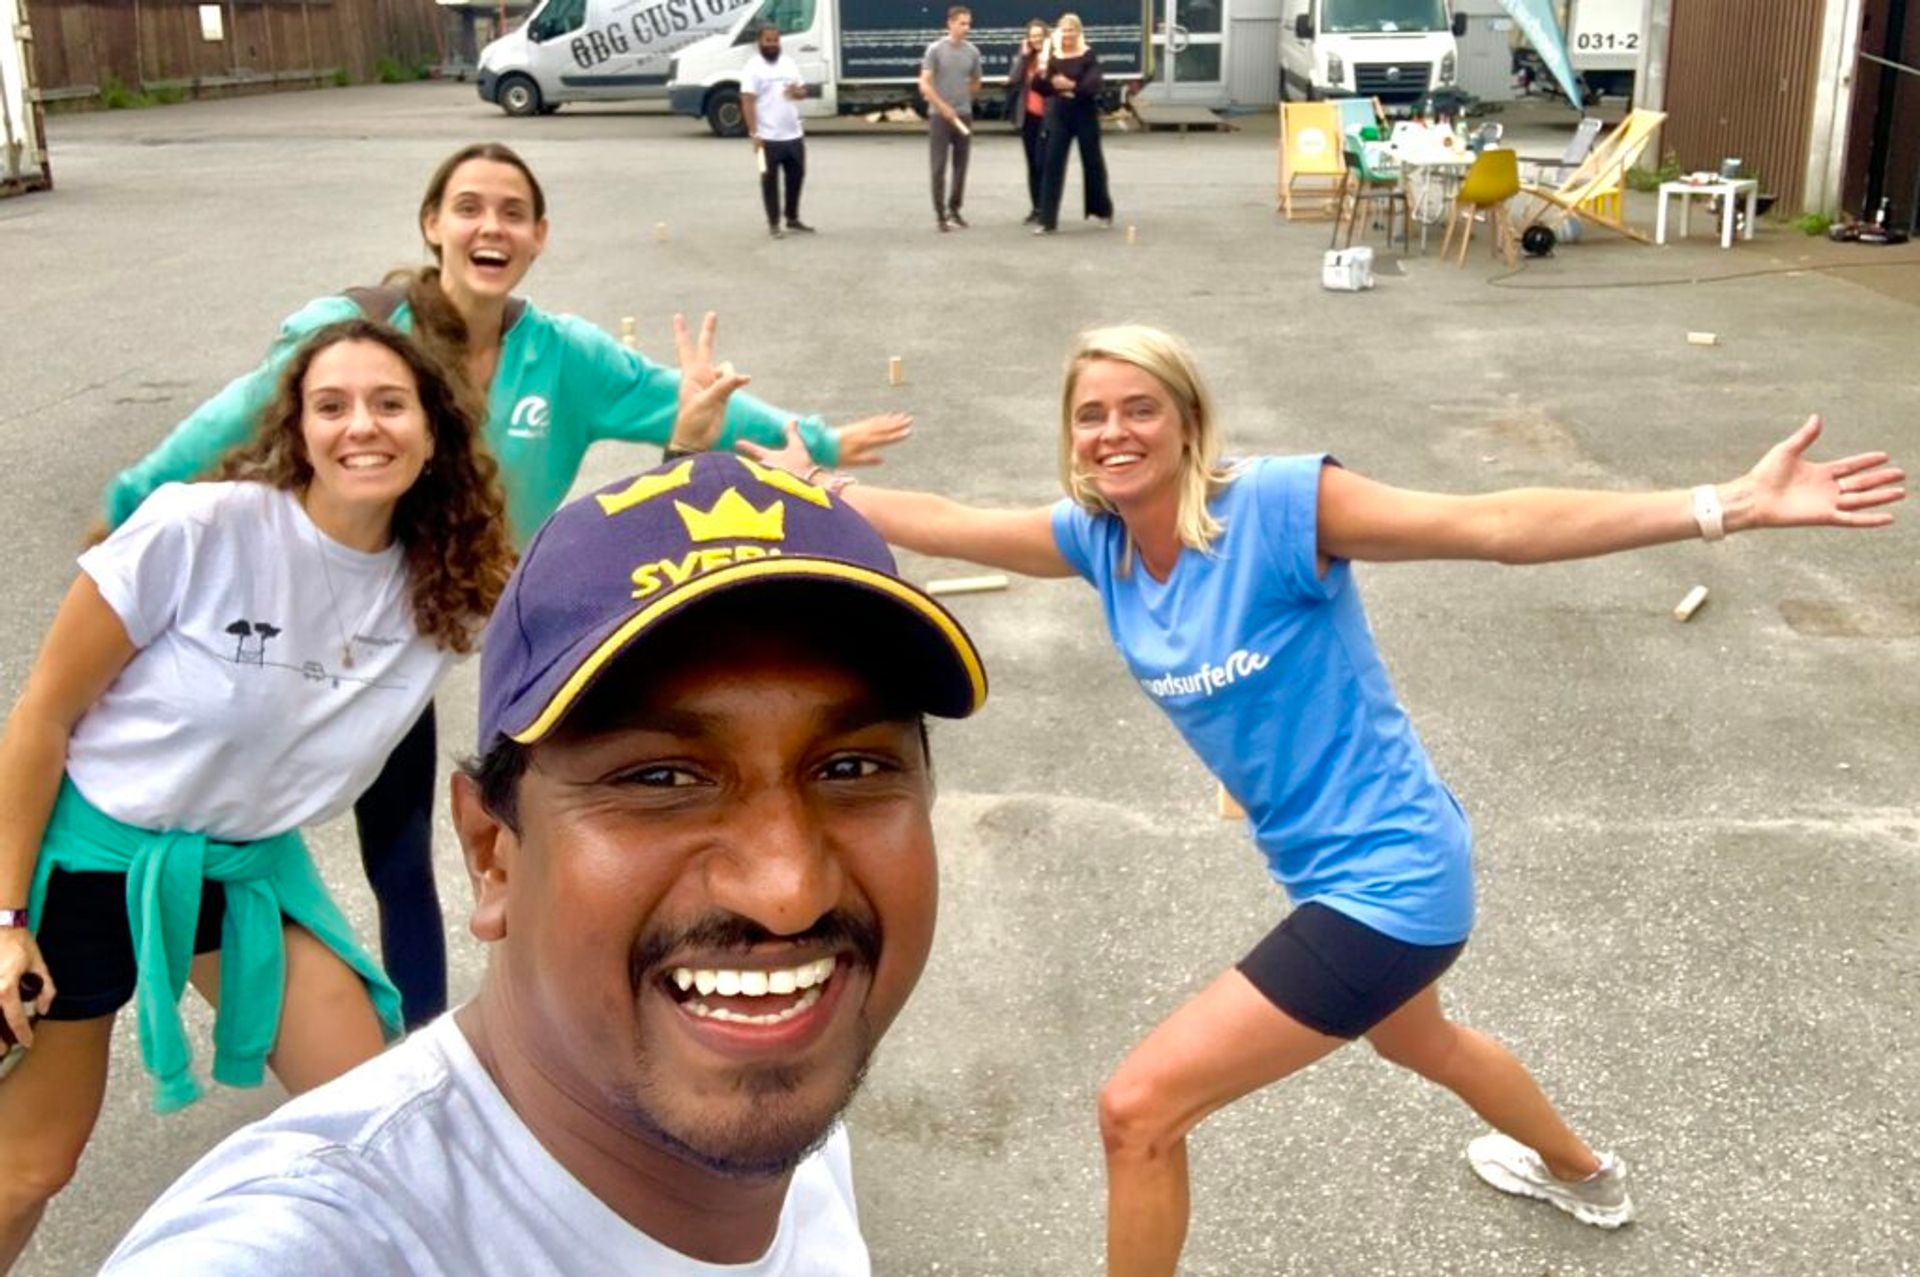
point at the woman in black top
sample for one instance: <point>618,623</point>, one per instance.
<point>1027,106</point>
<point>1072,90</point>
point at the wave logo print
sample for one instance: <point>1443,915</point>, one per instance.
<point>531,418</point>
<point>1209,678</point>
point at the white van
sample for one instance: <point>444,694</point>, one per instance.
<point>1395,50</point>
<point>595,51</point>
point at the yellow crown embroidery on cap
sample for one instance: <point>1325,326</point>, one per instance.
<point>792,485</point>
<point>733,518</point>
<point>646,488</point>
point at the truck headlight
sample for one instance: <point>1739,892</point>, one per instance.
<point>1446,69</point>
<point>1336,71</point>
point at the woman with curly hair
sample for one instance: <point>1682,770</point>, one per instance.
<point>553,385</point>
<point>231,664</point>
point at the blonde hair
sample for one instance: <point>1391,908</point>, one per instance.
<point>1169,361</point>
<point>1057,40</point>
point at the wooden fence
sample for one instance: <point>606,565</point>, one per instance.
<point>85,45</point>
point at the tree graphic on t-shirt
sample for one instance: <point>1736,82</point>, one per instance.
<point>251,638</point>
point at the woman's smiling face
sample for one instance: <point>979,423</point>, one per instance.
<point>485,229</point>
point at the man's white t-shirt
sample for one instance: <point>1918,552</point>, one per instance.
<point>239,716</point>
<point>776,117</point>
<point>414,1163</point>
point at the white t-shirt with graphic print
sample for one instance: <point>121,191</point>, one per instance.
<point>241,716</point>
<point>414,1164</point>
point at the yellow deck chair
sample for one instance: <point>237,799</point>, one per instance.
<point>1310,150</point>
<point>1593,190</point>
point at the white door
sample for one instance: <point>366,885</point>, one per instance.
<point>1192,35</point>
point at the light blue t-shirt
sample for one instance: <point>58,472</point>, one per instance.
<point>1270,672</point>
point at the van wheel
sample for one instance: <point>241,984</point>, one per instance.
<point>724,115</point>
<point>518,95</point>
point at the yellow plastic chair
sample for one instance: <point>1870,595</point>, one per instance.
<point>1489,184</point>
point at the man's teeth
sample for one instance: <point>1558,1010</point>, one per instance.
<point>702,1011</point>
<point>754,984</point>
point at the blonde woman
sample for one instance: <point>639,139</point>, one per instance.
<point>1071,89</point>
<point>1229,590</point>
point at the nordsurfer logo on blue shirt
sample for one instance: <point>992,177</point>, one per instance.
<point>1208,679</point>
<point>531,417</point>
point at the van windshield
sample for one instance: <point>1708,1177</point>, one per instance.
<point>1383,15</point>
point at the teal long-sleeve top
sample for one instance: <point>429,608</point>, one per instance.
<point>263,880</point>
<point>562,385</point>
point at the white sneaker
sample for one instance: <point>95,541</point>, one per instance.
<point>1510,1166</point>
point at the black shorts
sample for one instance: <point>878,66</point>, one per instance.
<point>1338,976</point>
<point>88,945</point>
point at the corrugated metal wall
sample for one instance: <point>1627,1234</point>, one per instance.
<point>1740,82</point>
<point>83,44</point>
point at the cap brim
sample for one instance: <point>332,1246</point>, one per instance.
<point>951,684</point>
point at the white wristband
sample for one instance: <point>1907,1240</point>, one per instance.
<point>1707,512</point>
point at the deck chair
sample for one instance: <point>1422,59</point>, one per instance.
<point>1579,146</point>
<point>1593,190</point>
<point>1359,113</point>
<point>1310,151</point>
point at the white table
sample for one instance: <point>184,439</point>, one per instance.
<point>1727,189</point>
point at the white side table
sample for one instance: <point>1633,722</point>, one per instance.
<point>1728,189</point>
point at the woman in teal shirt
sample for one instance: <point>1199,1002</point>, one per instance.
<point>554,385</point>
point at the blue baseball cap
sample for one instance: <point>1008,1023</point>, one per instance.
<point>610,568</point>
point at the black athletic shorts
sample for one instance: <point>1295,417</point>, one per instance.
<point>88,945</point>
<point>1338,976</point>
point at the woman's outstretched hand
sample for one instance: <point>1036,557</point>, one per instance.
<point>791,456</point>
<point>704,386</point>
<point>1790,491</point>
<point>862,440</point>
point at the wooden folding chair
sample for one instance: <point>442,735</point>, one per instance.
<point>1593,190</point>
<point>1310,150</point>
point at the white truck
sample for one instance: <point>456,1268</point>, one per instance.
<point>1603,43</point>
<point>864,55</point>
<point>594,51</point>
<point>1396,50</point>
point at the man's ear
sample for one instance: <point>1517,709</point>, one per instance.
<point>490,848</point>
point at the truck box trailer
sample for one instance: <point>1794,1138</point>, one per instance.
<point>23,130</point>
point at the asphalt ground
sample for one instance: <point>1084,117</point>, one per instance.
<point>1698,845</point>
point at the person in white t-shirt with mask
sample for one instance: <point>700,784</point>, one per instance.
<point>699,838</point>
<point>235,661</point>
<point>771,89</point>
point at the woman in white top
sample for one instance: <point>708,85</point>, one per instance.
<point>234,662</point>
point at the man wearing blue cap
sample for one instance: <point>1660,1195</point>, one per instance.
<point>699,836</point>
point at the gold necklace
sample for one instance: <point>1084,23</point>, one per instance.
<point>333,599</point>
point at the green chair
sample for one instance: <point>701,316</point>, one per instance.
<point>1373,186</point>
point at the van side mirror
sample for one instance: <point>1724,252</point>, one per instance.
<point>1459,25</point>
<point>1302,26</point>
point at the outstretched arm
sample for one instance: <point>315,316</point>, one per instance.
<point>1012,540</point>
<point>1362,519</point>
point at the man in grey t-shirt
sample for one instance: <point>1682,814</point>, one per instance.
<point>949,79</point>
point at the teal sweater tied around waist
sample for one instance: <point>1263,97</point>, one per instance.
<point>264,881</point>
